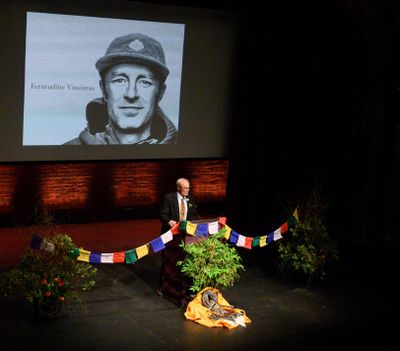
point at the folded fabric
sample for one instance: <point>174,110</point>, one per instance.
<point>209,308</point>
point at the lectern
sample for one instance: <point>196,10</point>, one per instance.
<point>175,285</point>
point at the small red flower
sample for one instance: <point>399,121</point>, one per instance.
<point>61,282</point>
<point>61,299</point>
<point>44,281</point>
<point>47,293</point>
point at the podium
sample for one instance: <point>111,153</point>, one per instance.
<point>174,285</point>
<point>188,239</point>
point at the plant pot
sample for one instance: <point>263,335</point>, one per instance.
<point>48,308</point>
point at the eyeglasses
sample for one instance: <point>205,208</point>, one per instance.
<point>185,187</point>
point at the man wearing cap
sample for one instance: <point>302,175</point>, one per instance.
<point>133,74</point>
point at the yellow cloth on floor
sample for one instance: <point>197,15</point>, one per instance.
<point>199,313</point>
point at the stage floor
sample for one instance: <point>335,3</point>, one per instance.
<point>124,313</point>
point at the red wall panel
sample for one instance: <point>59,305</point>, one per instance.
<point>83,185</point>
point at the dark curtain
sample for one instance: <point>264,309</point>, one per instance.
<point>317,104</point>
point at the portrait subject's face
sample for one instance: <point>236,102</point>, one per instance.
<point>132,92</point>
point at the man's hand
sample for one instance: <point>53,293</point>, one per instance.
<point>172,223</point>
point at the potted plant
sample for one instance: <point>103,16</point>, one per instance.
<point>211,263</point>
<point>49,276</point>
<point>308,251</point>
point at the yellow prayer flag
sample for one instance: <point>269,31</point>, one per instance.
<point>83,255</point>
<point>263,241</point>
<point>142,251</point>
<point>296,215</point>
<point>191,228</point>
<point>227,232</point>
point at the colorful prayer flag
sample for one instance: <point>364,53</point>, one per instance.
<point>296,215</point>
<point>142,251</point>
<point>175,229</point>
<point>213,227</point>
<point>263,241</point>
<point>291,222</point>
<point>277,234</point>
<point>248,243</point>
<point>228,232</point>
<point>107,257</point>
<point>130,256</point>
<point>191,228</point>
<point>119,257</point>
<point>182,225</point>
<point>241,240</point>
<point>95,257</point>
<point>222,220</point>
<point>35,242</point>
<point>202,229</point>
<point>83,255</point>
<point>284,227</point>
<point>256,241</point>
<point>234,237</point>
<point>157,244</point>
<point>166,237</point>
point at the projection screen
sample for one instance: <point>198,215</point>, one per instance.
<point>54,91</point>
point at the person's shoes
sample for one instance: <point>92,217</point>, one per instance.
<point>159,292</point>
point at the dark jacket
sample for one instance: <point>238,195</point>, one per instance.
<point>169,210</point>
<point>99,132</point>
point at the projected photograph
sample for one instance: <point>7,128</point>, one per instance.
<point>101,81</point>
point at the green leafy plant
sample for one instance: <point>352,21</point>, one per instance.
<point>308,250</point>
<point>211,263</point>
<point>49,276</point>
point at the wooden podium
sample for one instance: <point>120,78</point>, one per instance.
<point>175,285</point>
<point>188,239</point>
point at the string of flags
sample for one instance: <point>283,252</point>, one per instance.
<point>154,246</point>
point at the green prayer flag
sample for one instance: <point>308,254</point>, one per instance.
<point>74,253</point>
<point>291,222</point>
<point>256,241</point>
<point>130,256</point>
<point>182,226</point>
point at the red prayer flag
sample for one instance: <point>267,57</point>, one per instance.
<point>247,242</point>
<point>118,257</point>
<point>284,227</point>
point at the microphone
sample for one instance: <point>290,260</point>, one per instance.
<point>191,205</point>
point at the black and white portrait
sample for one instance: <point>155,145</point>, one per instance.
<point>94,81</point>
